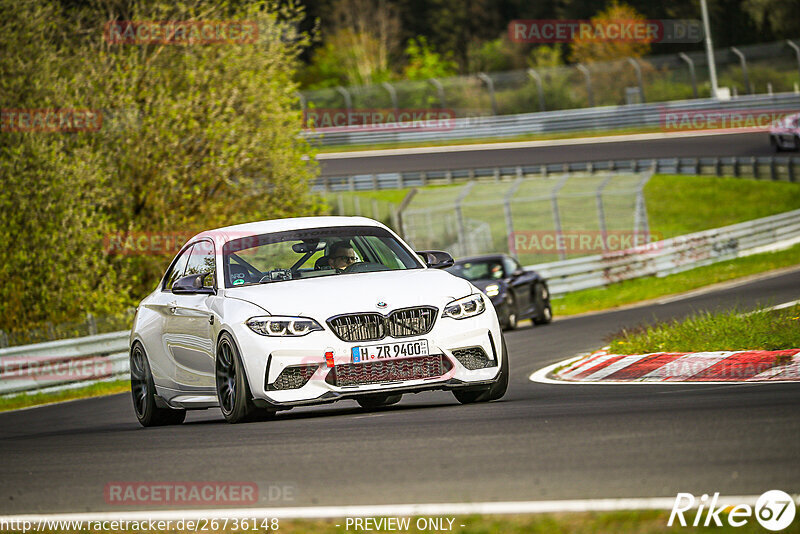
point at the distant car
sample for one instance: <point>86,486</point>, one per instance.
<point>785,133</point>
<point>517,294</point>
<point>266,316</point>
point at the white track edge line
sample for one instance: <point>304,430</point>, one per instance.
<point>435,509</point>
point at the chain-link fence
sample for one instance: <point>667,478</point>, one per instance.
<point>752,69</point>
<point>536,219</point>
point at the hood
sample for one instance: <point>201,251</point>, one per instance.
<point>323,297</point>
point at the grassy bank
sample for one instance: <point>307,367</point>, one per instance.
<point>729,330</point>
<point>25,400</point>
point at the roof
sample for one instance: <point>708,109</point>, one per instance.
<point>227,233</point>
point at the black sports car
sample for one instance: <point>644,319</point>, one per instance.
<point>516,293</point>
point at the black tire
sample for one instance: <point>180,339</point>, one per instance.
<point>541,300</point>
<point>493,392</point>
<point>233,392</point>
<point>775,144</point>
<point>371,402</point>
<point>143,393</point>
<point>512,313</point>
<point>797,143</point>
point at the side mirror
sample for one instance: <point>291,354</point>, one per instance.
<point>518,273</point>
<point>436,259</point>
<point>192,284</point>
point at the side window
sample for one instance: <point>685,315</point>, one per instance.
<point>201,260</point>
<point>177,269</point>
<point>510,265</point>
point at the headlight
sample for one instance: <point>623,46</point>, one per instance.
<point>492,290</point>
<point>276,326</point>
<point>465,307</point>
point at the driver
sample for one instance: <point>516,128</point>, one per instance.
<point>342,256</point>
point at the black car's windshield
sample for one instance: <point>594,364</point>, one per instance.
<point>478,270</point>
<point>314,252</point>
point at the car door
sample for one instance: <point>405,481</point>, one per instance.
<point>520,284</point>
<point>188,326</point>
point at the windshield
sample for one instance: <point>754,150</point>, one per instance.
<point>311,253</point>
<point>478,270</point>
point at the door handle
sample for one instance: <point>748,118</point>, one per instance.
<point>173,307</point>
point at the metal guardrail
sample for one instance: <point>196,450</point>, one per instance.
<point>63,364</point>
<point>570,120</point>
<point>785,168</point>
<point>672,255</point>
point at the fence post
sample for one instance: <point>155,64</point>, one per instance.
<point>303,103</point>
<point>3,339</point>
<point>462,232</point>
<point>348,102</point>
<point>92,324</point>
<point>638,69</point>
<point>356,205</point>
<point>392,94</point>
<point>538,79</point>
<point>640,221</point>
<point>440,89</point>
<point>689,62</point>
<point>743,63</point>
<point>340,200</point>
<point>376,214</point>
<point>581,67</point>
<point>796,53</point>
<point>399,213</point>
<point>490,87</point>
<point>601,212</point>
<point>556,215</point>
<point>512,249</point>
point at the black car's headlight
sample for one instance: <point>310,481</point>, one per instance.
<point>278,326</point>
<point>492,290</point>
<point>465,307</point>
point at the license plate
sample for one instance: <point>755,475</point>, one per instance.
<point>388,351</point>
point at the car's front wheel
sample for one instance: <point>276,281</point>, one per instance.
<point>370,402</point>
<point>233,392</point>
<point>143,392</point>
<point>494,392</point>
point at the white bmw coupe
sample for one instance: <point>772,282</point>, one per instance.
<point>266,316</point>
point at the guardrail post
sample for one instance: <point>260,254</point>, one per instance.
<point>718,166</point>
<point>773,172</point>
<point>557,215</point>
<point>512,249</point>
<point>791,169</point>
<point>375,182</point>
<point>348,102</point>
<point>743,63</point>
<point>692,75</point>
<point>340,200</point>
<point>462,232</point>
<point>735,167</point>
<point>356,205</point>
<point>601,213</point>
<point>754,161</point>
<point>796,49</point>
<point>490,87</point>
<point>538,79</point>
<point>423,178</point>
<point>581,67</point>
<point>638,70</point>
<point>440,89</point>
<point>392,94</point>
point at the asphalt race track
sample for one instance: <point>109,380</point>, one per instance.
<point>540,442</point>
<point>739,144</point>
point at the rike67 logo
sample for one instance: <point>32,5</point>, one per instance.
<point>774,510</point>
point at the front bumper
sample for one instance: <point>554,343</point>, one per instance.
<point>265,360</point>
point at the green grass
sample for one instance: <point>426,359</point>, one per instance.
<point>729,330</point>
<point>626,522</point>
<point>631,291</point>
<point>24,400</point>
<point>483,140</point>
